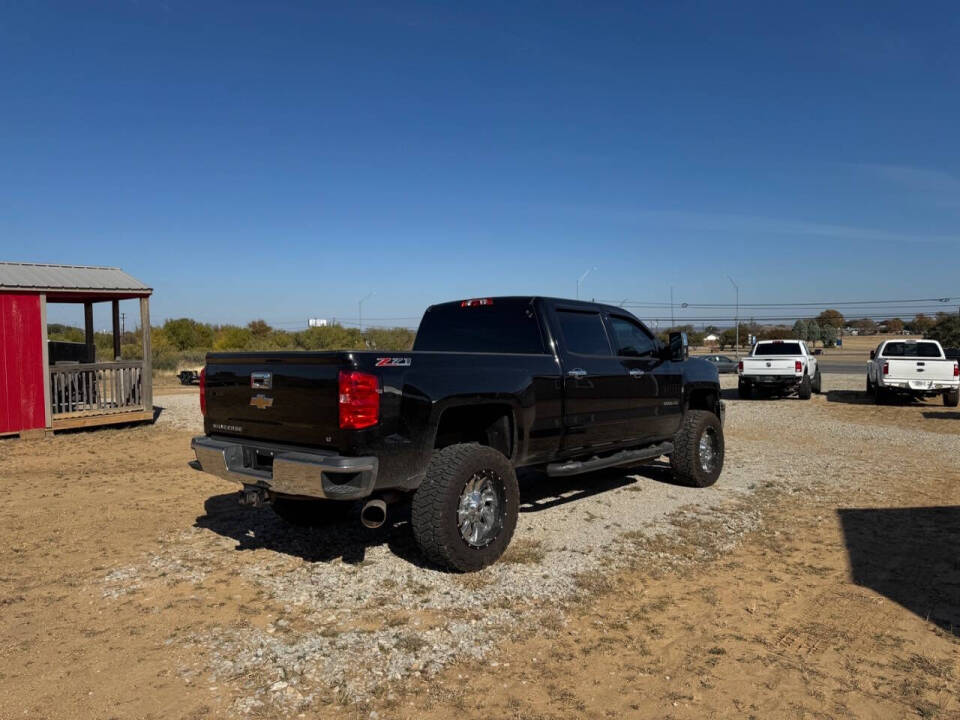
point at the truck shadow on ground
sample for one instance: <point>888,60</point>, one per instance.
<point>908,555</point>
<point>346,539</point>
<point>943,415</point>
<point>850,397</point>
<point>758,395</point>
<point>860,397</point>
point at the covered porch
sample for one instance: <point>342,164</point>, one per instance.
<point>87,392</point>
<point>79,389</point>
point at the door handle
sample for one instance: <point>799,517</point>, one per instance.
<point>637,372</point>
<point>577,373</point>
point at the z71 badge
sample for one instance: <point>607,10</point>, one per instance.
<point>394,362</point>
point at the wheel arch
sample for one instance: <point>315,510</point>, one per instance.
<point>703,396</point>
<point>491,423</point>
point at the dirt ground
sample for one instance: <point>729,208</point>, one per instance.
<point>820,578</point>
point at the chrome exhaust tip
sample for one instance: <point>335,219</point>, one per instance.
<point>373,514</point>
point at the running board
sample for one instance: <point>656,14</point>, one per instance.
<point>624,457</point>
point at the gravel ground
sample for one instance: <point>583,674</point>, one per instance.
<point>179,412</point>
<point>348,611</point>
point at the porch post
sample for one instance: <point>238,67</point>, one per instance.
<point>116,329</point>
<point>147,379</point>
<point>47,400</point>
<point>88,329</point>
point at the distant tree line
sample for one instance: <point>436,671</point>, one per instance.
<point>184,342</point>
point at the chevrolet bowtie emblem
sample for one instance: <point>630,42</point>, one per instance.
<point>261,402</point>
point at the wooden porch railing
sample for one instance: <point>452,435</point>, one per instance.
<point>96,388</point>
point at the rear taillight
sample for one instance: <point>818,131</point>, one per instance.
<point>886,368</point>
<point>203,391</point>
<point>798,366</point>
<point>956,369</point>
<point>740,366</point>
<point>359,400</point>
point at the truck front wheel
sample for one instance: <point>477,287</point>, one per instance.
<point>465,511</point>
<point>697,457</point>
<point>951,398</point>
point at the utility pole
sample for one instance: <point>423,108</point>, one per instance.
<point>123,320</point>
<point>673,322</point>
<point>582,278</point>
<point>738,314</point>
<point>360,307</point>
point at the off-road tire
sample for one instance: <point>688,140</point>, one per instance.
<point>951,398</point>
<point>870,388</point>
<point>685,461</point>
<point>433,514</point>
<point>310,513</point>
<point>744,390</point>
<point>806,388</point>
<point>817,382</point>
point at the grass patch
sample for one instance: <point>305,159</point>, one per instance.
<point>524,552</point>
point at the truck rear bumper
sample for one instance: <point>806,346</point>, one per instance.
<point>287,472</point>
<point>772,380</point>
<point>919,385</point>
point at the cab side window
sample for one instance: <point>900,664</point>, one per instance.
<point>631,339</point>
<point>584,332</point>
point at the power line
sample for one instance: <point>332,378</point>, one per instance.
<point>756,318</point>
<point>830,304</point>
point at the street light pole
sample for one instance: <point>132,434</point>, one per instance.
<point>738,315</point>
<point>582,278</point>
<point>360,308</point>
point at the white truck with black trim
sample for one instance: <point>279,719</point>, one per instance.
<point>912,368</point>
<point>779,367</point>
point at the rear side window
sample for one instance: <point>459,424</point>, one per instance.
<point>911,349</point>
<point>503,326</point>
<point>630,339</point>
<point>583,332</point>
<point>778,348</point>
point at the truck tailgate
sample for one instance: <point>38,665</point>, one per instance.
<point>918,369</point>
<point>283,397</point>
<point>769,366</point>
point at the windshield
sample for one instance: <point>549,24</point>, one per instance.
<point>778,348</point>
<point>907,348</point>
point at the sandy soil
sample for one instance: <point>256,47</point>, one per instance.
<point>817,579</point>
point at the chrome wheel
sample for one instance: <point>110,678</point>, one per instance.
<point>708,450</point>
<point>479,514</point>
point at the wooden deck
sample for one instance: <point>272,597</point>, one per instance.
<point>105,393</point>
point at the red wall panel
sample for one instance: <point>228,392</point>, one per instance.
<point>21,363</point>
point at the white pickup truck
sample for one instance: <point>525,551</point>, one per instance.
<point>913,368</point>
<point>780,367</point>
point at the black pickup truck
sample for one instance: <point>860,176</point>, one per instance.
<point>491,385</point>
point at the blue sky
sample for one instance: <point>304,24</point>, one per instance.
<point>281,160</point>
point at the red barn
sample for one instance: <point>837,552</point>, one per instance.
<point>54,386</point>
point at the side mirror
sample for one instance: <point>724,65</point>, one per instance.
<point>873,354</point>
<point>679,346</point>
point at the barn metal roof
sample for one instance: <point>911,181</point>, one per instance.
<point>69,279</point>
